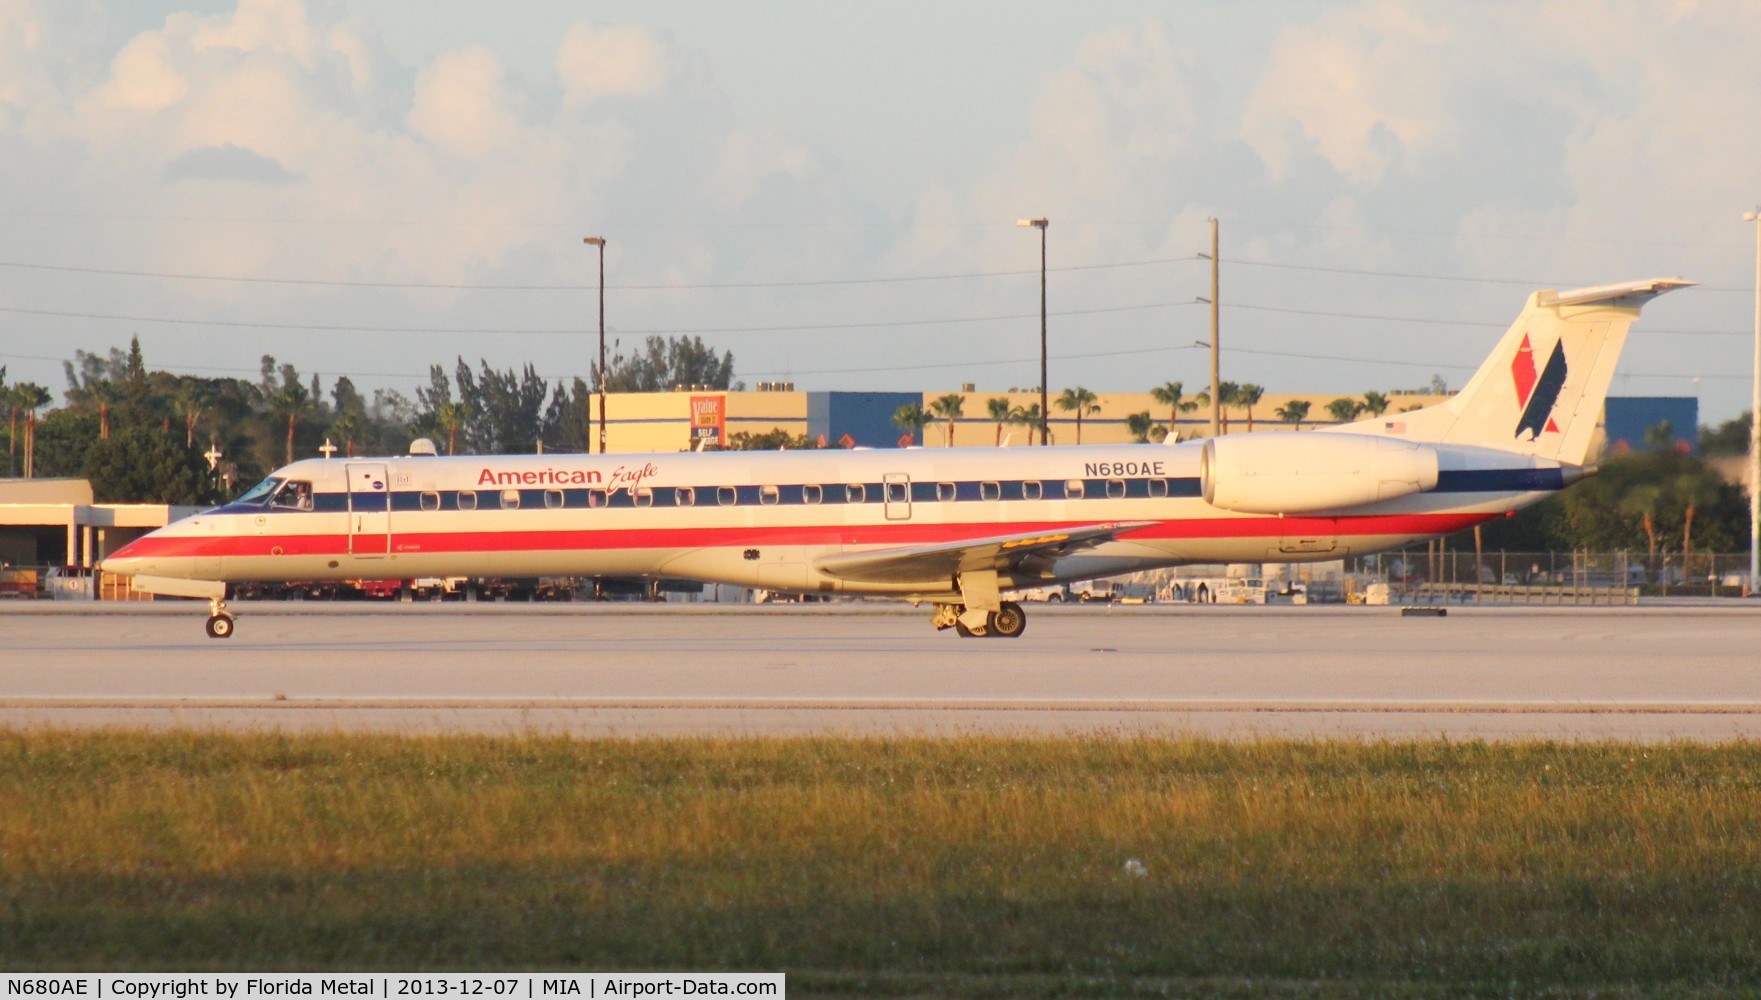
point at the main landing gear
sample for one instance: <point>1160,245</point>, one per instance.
<point>219,622</point>
<point>1008,621</point>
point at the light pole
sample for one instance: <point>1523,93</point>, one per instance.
<point>1755,424</point>
<point>599,241</point>
<point>1044,412</point>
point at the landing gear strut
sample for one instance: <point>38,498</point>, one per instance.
<point>219,622</point>
<point>1008,621</point>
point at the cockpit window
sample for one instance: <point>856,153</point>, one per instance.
<point>294,495</point>
<point>259,494</point>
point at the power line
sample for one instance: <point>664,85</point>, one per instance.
<point>576,331</point>
<point>1526,282</point>
<point>682,286</point>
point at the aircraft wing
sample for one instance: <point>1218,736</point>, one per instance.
<point>940,562</point>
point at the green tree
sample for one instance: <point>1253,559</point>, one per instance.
<point>144,465</point>
<point>450,417</point>
<point>1080,401</point>
<point>1247,396</point>
<point>1294,412</point>
<point>30,397</point>
<point>189,405</point>
<point>1168,394</point>
<point>998,408</point>
<point>665,362</point>
<point>1227,393</point>
<point>1030,417</point>
<point>1142,426</point>
<point>911,419</point>
<point>290,402</point>
<point>1345,410</point>
<point>348,427</point>
<point>1375,403</point>
<point>1728,438</point>
<point>775,439</point>
<point>950,408</point>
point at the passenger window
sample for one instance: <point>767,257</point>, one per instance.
<point>596,498</point>
<point>769,495</point>
<point>945,492</point>
<point>1073,489</point>
<point>812,493</point>
<point>430,500</point>
<point>510,499</point>
<point>644,496</point>
<point>467,499</point>
<point>684,496</point>
<point>726,495</point>
<point>1115,489</point>
<point>896,492</point>
<point>1158,487</point>
<point>1030,490</point>
<point>990,491</point>
<point>856,493</point>
<point>553,499</point>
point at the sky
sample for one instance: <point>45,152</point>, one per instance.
<point>830,191</point>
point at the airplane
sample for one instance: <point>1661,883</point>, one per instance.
<point>959,528</point>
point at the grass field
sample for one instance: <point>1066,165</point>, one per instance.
<point>979,866</point>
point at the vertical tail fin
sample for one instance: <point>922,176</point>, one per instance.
<point>1541,391</point>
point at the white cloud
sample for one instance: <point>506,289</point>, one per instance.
<point>462,104</point>
<point>272,25</point>
<point>610,61</point>
<point>1363,89</point>
<point>142,77</point>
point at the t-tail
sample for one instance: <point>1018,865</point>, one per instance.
<point>1541,391</point>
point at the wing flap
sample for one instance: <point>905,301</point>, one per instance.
<point>940,563</point>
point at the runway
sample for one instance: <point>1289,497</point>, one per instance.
<point>1649,673</point>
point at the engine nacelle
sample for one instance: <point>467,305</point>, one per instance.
<point>1293,473</point>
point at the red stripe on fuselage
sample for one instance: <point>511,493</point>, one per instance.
<point>814,535</point>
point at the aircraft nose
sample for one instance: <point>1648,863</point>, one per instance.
<point>125,561</point>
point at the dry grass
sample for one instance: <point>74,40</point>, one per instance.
<point>983,866</point>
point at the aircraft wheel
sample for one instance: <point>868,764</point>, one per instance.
<point>220,627</point>
<point>1008,622</point>
<point>969,633</point>
<point>1055,599</point>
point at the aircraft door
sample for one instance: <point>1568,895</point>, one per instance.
<point>369,510</point>
<point>896,490</point>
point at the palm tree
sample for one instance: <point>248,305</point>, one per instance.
<point>346,425</point>
<point>1082,402</point>
<point>1695,489</point>
<point>1168,394</point>
<point>1226,394</point>
<point>103,392</point>
<point>1641,502</point>
<point>32,397</point>
<point>999,412</point>
<point>1344,410</point>
<point>1142,426</point>
<point>1294,412</point>
<point>451,416</point>
<point>1248,395</point>
<point>1375,404</point>
<point>949,408</point>
<point>189,405</point>
<point>1030,417</point>
<point>911,419</point>
<point>293,402</point>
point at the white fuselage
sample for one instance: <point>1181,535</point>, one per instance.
<point>768,519</point>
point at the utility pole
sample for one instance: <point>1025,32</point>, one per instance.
<point>1216,340</point>
<point>1215,344</point>
<point>599,241</point>
<point>1045,414</point>
<point>1755,426</point>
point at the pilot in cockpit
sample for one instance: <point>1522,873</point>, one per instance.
<point>296,495</point>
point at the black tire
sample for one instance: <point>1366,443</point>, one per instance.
<point>966,633</point>
<point>1008,622</point>
<point>1055,599</point>
<point>220,627</point>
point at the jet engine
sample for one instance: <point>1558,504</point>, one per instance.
<point>1307,473</point>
